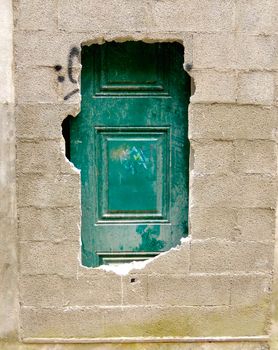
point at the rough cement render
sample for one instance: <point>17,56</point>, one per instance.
<point>8,254</point>
<point>219,281</point>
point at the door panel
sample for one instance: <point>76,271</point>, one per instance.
<point>133,164</point>
<point>130,142</point>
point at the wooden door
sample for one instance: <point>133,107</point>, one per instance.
<point>130,142</point>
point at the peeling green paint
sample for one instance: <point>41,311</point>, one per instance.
<point>149,236</point>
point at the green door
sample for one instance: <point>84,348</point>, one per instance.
<point>130,142</point>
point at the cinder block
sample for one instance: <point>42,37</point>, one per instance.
<point>147,321</point>
<point>256,88</point>
<point>236,321</point>
<point>176,260</point>
<point>256,16</point>
<point>66,166</point>
<point>256,51</point>
<point>226,256</point>
<point>185,321</point>
<point>55,291</point>
<point>230,191</point>
<point>187,42</point>
<point>40,121</point>
<point>36,85</point>
<point>49,224</point>
<point>232,122</point>
<point>158,16</point>
<point>104,290</point>
<point>41,157</point>
<point>218,50</point>
<point>143,321</point>
<point>212,223</point>
<point>256,157</point>
<point>41,291</point>
<point>49,191</point>
<point>210,256</point>
<point>68,322</point>
<point>235,51</point>
<point>213,86</point>
<point>190,290</point>
<point>256,224</point>
<point>44,48</point>
<point>68,91</point>
<point>84,16</point>
<point>195,16</point>
<point>49,258</point>
<point>250,289</point>
<point>36,15</point>
<point>253,256</point>
<point>212,157</point>
<point>135,289</point>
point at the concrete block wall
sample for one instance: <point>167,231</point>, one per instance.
<point>217,284</point>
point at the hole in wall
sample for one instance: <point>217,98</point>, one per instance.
<point>66,134</point>
<point>148,225</point>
